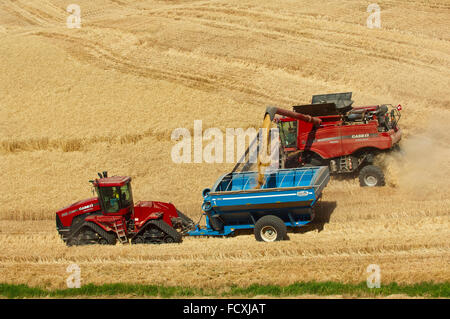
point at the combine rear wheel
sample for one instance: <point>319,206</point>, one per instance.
<point>270,228</point>
<point>371,176</point>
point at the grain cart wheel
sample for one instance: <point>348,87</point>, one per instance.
<point>216,222</point>
<point>270,228</point>
<point>371,176</point>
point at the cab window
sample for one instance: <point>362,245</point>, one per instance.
<point>125,195</point>
<point>288,133</point>
<point>115,198</point>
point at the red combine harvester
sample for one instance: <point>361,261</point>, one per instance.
<point>330,132</point>
<point>113,216</point>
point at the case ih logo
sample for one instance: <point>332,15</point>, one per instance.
<point>78,209</point>
<point>86,207</point>
<point>360,135</point>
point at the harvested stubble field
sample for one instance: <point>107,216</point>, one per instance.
<point>108,96</point>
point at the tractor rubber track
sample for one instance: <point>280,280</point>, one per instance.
<point>109,238</point>
<point>168,230</point>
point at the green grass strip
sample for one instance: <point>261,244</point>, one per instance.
<point>426,289</point>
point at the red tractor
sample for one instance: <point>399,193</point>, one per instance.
<point>330,132</point>
<point>112,216</point>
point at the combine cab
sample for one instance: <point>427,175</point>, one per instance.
<point>112,216</point>
<point>331,132</point>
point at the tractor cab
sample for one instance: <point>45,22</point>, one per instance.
<point>114,194</point>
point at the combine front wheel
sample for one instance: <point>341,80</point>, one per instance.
<point>371,176</point>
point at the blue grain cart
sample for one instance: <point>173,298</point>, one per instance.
<point>286,199</point>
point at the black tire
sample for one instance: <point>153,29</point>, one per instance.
<point>371,176</point>
<point>216,222</point>
<point>270,228</point>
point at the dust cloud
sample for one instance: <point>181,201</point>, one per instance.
<point>421,168</point>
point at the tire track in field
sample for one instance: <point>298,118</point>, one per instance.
<point>33,15</point>
<point>244,87</point>
<point>321,35</point>
<point>101,56</point>
<point>183,70</point>
<point>196,81</point>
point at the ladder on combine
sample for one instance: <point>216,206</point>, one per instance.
<point>120,231</point>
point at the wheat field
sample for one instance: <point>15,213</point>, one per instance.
<point>108,95</point>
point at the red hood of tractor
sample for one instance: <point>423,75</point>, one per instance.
<point>146,210</point>
<point>81,203</point>
<point>67,213</point>
<point>155,205</point>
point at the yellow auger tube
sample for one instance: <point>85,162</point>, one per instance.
<point>263,150</point>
